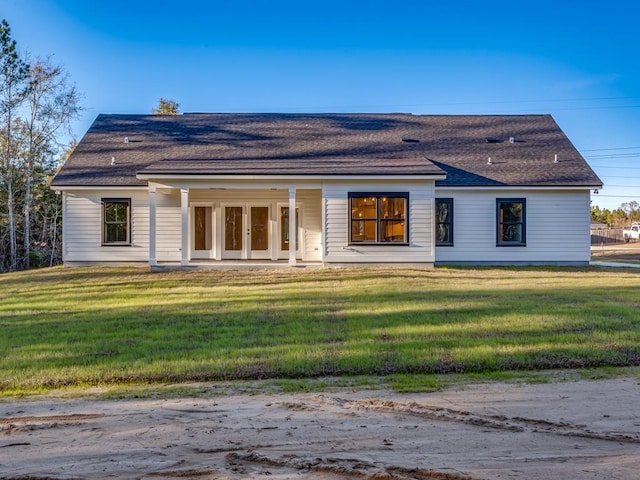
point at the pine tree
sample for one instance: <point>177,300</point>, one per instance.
<point>14,88</point>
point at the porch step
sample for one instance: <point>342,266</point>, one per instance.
<point>231,265</point>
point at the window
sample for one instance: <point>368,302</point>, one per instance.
<point>511,222</point>
<point>284,228</point>
<point>379,218</point>
<point>444,222</point>
<point>116,218</point>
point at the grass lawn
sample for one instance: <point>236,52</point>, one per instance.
<point>621,252</point>
<point>108,326</point>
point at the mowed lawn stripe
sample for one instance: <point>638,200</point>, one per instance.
<point>96,326</point>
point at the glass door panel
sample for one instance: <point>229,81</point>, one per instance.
<point>202,228</point>
<point>233,229</point>
<point>284,228</point>
<point>259,229</point>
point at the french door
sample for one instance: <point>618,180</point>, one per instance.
<point>246,232</point>
<point>202,231</point>
<point>285,243</point>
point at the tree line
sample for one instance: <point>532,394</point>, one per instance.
<point>37,105</point>
<point>620,217</point>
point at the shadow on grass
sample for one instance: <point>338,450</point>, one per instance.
<point>78,326</point>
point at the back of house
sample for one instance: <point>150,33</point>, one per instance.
<point>325,189</point>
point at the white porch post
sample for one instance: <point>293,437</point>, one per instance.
<point>184,208</point>
<point>292,226</point>
<point>152,225</point>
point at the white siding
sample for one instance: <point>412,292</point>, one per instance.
<point>168,225</point>
<point>239,195</point>
<point>337,247</point>
<point>557,227</point>
<point>311,201</point>
<point>557,223</point>
<point>82,227</point>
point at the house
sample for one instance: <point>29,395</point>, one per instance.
<point>365,188</point>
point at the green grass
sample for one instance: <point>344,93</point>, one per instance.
<point>117,326</point>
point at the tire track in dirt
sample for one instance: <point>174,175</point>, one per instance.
<point>512,424</point>
<point>345,467</point>
<point>242,460</point>
<point>9,425</point>
<point>245,447</point>
<point>39,477</point>
<point>191,473</point>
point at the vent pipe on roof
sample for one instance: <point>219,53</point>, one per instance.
<point>512,139</point>
<point>126,139</point>
<point>489,162</point>
<point>555,159</point>
<point>113,160</point>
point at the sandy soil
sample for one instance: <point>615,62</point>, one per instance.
<point>577,430</point>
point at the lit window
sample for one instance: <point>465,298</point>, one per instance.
<point>444,221</point>
<point>378,218</point>
<point>116,216</point>
<point>511,222</point>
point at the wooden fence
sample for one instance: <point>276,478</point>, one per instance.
<point>605,236</point>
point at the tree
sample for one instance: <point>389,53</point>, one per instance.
<point>14,88</point>
<point>52,104</point>
<point>632,210</point>
<point>619,218</point>
<point>37,104</point>
<point>599,215</point>
<point>166,107</point>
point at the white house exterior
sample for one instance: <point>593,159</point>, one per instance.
<point>367,189</point>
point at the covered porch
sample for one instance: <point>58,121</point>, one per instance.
<point>203,225</point>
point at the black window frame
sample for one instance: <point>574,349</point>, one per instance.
<point>437,223</point>
<point>378,220</point>
<point>105,240</point>
<point>500,223</point>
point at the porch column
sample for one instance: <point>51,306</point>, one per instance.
<point>184,209</point>
<point>152,225</point>
<point>292,226</point>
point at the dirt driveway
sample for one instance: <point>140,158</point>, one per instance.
<point>575,430</point>
<point>622,252</point>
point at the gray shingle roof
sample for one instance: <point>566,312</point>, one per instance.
<point>322,166</point>
<point>328,144</point>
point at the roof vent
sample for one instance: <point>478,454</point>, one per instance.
<point>512,139</point>
<point>410,140</point>
<point>555,158</point>
<point>493,140</point>
<point>489,162</point>
<point>126,139</point>
<point>113,160</point>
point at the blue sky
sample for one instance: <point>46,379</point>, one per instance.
<point>579,61</point>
